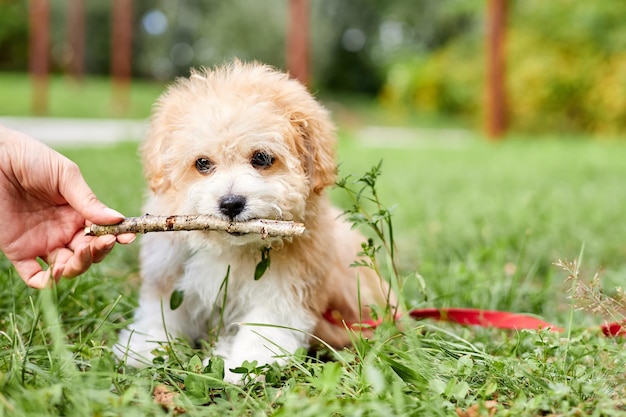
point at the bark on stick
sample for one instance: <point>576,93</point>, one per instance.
<point>175,223</point>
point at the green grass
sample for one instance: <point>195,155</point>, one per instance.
<point>467,215</point>
<point>482,224</point>
<point>91,98</point>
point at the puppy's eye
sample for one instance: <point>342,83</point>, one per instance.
<point>261,159</point>
<point>204,165</point>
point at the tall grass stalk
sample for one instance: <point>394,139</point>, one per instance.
<point>368,210</point>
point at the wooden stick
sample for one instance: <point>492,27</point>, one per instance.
<point>176,223</point>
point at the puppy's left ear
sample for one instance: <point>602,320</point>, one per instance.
<point>316,147</point>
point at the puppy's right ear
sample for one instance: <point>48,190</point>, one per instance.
<point>316,146</point>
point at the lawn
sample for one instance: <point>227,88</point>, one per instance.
<point>482,224</point>
<point>91,97</point>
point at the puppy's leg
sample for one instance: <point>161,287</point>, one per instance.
<point>265,336</point>
<point>154,322</point>
<point>161,262</point>
<point>354,290</point>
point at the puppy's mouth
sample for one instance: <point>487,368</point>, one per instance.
<point>243,220</point>
<point>242,231</point>
<point>238,220</point>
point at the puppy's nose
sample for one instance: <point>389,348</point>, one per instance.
<point>231,205</point>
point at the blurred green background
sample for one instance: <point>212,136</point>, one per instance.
<point>566,60</point>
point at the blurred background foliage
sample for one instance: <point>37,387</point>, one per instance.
<point>566,69</point>
<point>566,59</point>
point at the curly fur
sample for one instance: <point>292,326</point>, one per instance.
<point>226,115</point>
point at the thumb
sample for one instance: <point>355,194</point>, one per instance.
<point>77,193</point>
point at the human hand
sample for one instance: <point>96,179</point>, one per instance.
<point>44,206</point>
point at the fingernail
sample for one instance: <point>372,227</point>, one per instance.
<point>57,271</point>
<point>108,240</point>
<point>40,280</point>
<point>113,213</point>
<point>126,238</point>
<point>85,252</point>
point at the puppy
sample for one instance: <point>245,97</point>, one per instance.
<point>243,142</point>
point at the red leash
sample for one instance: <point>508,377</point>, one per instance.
<point>477,317</point>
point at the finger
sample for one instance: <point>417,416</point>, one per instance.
<point>78,263</point>
<point>101,247</point>
<point>126,238</point>
<point>73,187</point>
<point>59,259</point>
<point>32,273</point>
<point>40,280</point>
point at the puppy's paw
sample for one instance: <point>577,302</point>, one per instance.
<point>135,349</point>
<point>229,376</point>
<point>233,378</point>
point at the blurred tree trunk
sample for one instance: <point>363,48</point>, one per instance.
<point>495,92</point>
<point>298,40</point>
<point>38,61</point>
<point>75,40</point>
<point>121,53</point>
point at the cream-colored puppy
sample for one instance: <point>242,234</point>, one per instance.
<point>243,142</point>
